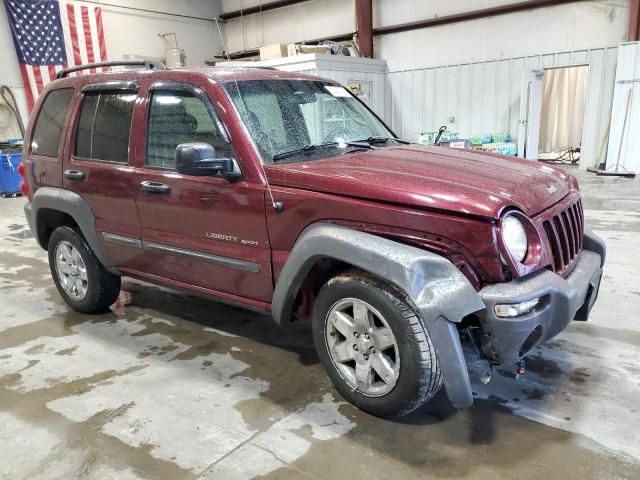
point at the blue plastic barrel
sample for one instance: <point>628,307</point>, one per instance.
<point>9,177</point>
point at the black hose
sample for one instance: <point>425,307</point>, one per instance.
<point>13,106</point>
<point>443,129</point>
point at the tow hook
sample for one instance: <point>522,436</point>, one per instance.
<point>520,370</point>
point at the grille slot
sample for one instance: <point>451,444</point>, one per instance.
<point>565,232</point>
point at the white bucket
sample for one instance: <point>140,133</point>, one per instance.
<point>175,58</point>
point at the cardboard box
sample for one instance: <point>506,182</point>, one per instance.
<point>275,50</point>
<point>294,49</point>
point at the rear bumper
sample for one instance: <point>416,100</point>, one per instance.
<point>507,340</point>
<point>27,213</point>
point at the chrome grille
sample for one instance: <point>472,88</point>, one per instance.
<point>565,233</point>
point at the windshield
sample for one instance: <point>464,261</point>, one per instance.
<point>287,117</point>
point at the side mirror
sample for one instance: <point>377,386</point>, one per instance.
<point>199,159</point>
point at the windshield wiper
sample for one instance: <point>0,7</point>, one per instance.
<point>378,139</point>
<point>315,146</point>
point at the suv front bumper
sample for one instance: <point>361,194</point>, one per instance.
<point>507,340</point>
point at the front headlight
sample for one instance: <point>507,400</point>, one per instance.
<point>514,237</point>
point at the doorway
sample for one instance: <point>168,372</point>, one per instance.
<point>563,99</point>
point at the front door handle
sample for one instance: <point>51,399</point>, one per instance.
<point>74,174</point>
<point>154,187</point>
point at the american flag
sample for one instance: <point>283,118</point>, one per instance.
<point>50,35</point>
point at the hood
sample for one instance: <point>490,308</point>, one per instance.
<point>463,181</point>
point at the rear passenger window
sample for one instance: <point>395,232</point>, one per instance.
<point>178,117</point>
<point>46,135</point>
<point>104,127</point>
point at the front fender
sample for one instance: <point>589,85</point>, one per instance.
<point>440,293</point>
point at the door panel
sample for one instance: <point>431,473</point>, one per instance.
<point>530,110</point>
<point>217,231</point>
<point>203,231</point>
<point>97,169</point>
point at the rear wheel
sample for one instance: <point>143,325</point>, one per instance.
<point>79,276</point>
<point>373,345</point>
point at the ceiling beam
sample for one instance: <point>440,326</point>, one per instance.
<point>364,26</point>
<point>633,34</point>
<point>261,8</point>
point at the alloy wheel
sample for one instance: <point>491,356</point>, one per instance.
<point>71,271</point>
<point>362,347</point>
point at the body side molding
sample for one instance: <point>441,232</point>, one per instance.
<point>440,293</point>
<point>122,240</point>
<point>238,264</point>
<point>204,257</point>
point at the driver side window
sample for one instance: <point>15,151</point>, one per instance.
<point>177,117</point>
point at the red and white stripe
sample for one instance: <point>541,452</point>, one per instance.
<point>84,43</point>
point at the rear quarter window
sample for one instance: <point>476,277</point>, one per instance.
<point>50,122</point>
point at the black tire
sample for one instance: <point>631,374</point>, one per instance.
<point>102,287</point>
<point>419,377</point>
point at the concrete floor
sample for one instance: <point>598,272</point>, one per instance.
<point>173,386</point>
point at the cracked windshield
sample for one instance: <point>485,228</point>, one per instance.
<point>300,120</point>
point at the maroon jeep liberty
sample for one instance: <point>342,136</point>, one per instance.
<point>284,193</point>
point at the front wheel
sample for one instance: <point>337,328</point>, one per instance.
<point>373,345</point>
<point>81,279</point>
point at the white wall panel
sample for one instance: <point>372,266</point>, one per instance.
<point>305,21</point>
<point>130,32</point>
<point>485,97</point>
<point>575,26</point>
<point>394,12</point>
<point>624,142</point>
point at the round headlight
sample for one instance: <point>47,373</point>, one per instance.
<point>514,237</point>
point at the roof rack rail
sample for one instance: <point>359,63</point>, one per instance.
<point>147,64</point>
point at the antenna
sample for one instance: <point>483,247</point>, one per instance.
<point>277,206</point>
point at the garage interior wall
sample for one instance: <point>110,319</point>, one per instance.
<point>624,142</point>
<point>469,71</point>
<point>485,97</point>
<point>295,23</point>
<point>572,26</point>
<point>129,31</point>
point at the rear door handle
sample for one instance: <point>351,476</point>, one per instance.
<point>154,187</point>
<point>74,174</point>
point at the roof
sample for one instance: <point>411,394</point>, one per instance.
<point>220,74</point>
<point>251,73</point>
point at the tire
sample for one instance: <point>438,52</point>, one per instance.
<point>95,288</point>
<point>416,374</point>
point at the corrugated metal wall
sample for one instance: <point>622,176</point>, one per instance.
<point>485,97</point>
<point>624,144</point>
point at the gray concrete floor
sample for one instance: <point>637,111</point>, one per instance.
<point>172,386</point>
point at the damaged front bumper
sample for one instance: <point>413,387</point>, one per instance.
<point>505,340</point>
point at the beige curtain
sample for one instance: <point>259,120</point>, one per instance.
<point>563,98</point>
